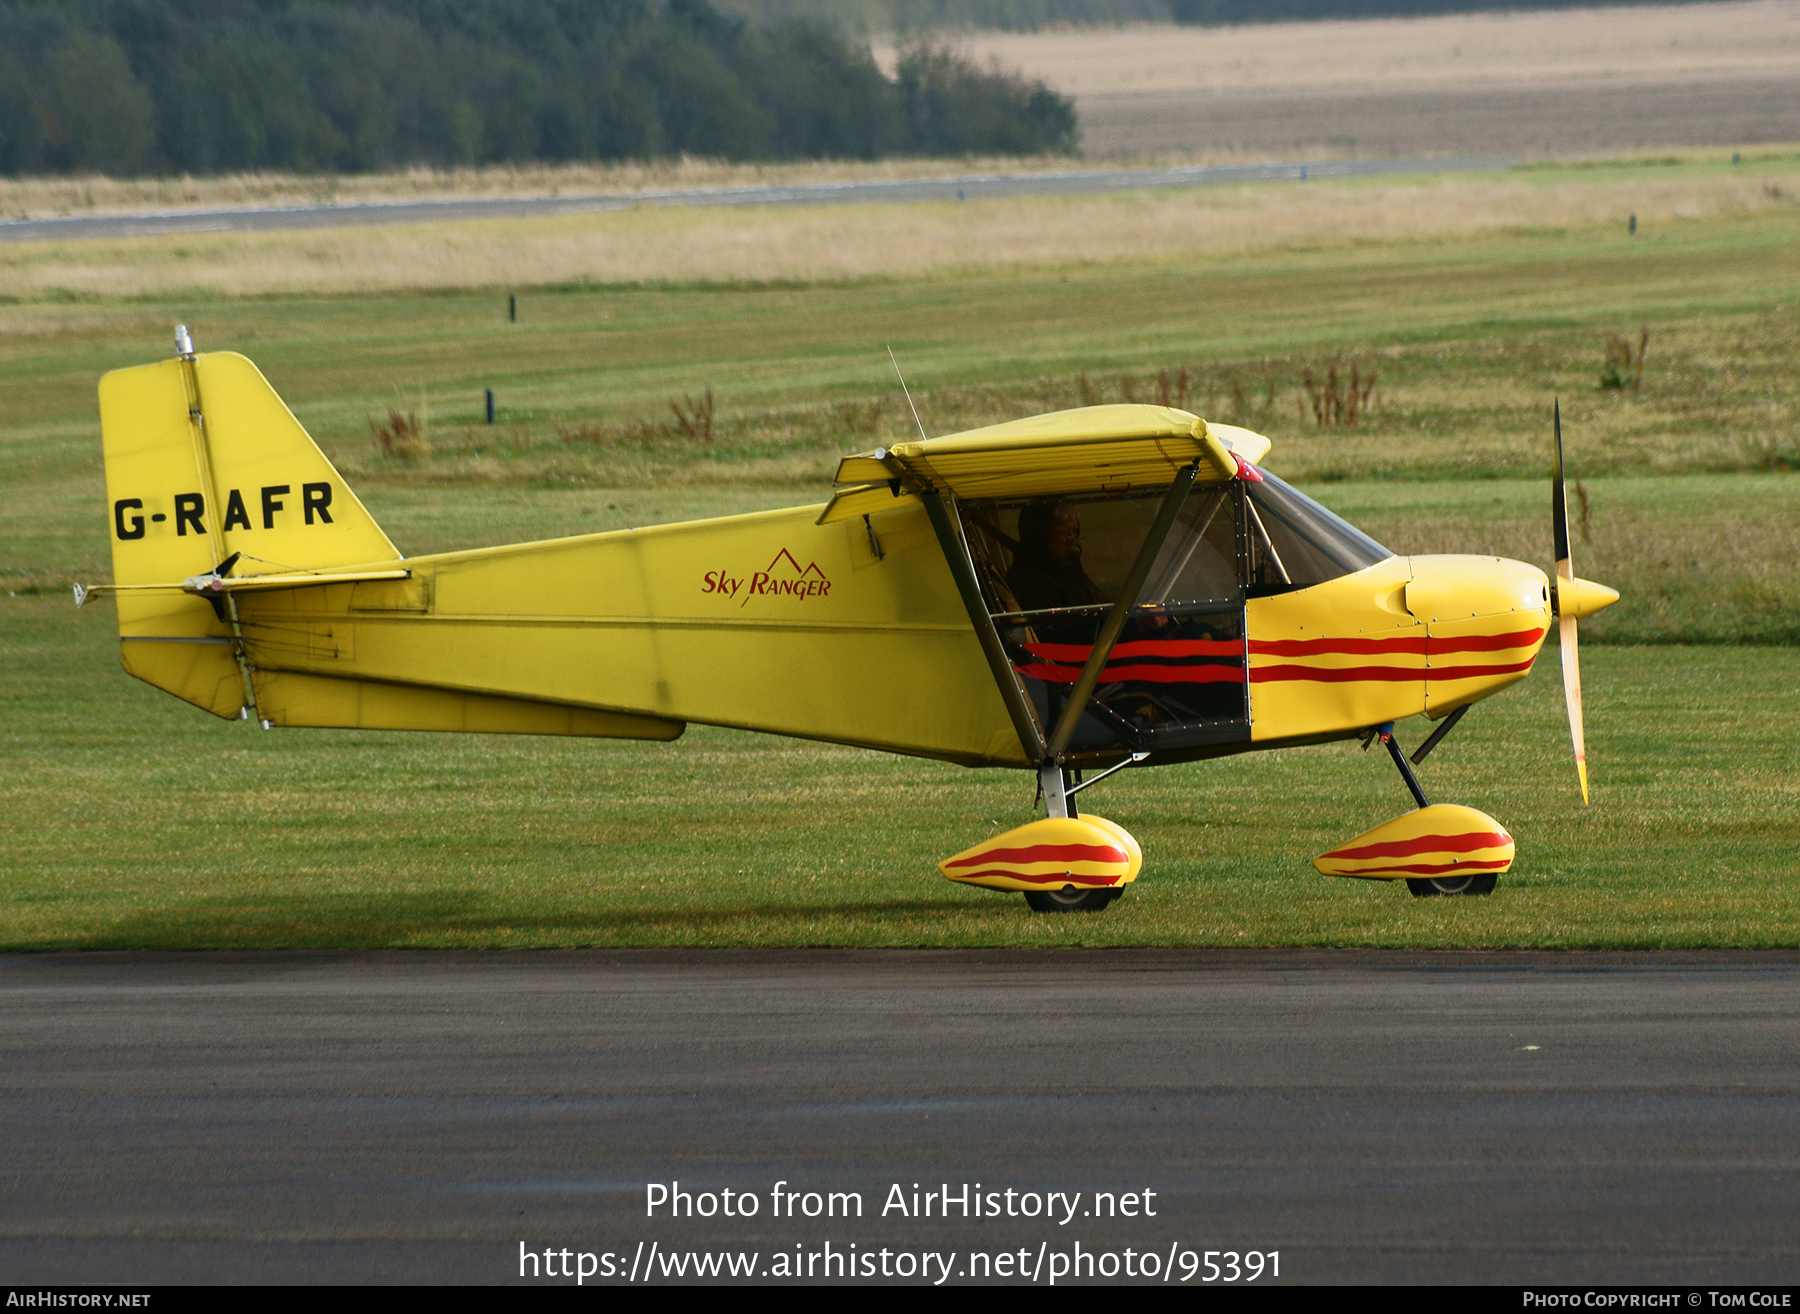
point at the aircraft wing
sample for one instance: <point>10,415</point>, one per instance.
<point>1092,449</point>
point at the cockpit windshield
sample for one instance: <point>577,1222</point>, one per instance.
<point>1295,543</point>
<point>1232,540</point>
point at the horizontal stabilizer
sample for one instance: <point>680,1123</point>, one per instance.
<point>213,586</point>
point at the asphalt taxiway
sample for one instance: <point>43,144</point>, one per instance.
<point>1395,1117</point>
<point>1069,182</point>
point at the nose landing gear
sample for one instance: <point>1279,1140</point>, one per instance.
<point>1439,849</point>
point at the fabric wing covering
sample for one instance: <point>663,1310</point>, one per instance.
<point>1093,449</point>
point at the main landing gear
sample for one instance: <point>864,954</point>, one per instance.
<point>1059,791</point>
<point>1427,887</point>
<point>1064,861</point>
<point>1070,899</point>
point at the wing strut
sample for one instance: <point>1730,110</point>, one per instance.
<point>956,555</point>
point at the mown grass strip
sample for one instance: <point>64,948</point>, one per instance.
<point>134,821</point>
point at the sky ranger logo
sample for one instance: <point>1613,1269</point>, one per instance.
<point>785,577</point>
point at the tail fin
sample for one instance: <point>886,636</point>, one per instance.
<point>205,465</point>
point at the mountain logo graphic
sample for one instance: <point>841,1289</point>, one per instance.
<point>793,567</point>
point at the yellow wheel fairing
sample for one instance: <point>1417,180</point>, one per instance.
<point>1126,838</point>
<point>1089,853</point>
<point>1445,839</point>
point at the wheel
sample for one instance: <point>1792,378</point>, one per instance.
<point>1070,899</point>
<point>1472,884</point>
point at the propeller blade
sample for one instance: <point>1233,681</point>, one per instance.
<point>1571,668</point>
<point>1559,505</point>
<point>1571,657</point>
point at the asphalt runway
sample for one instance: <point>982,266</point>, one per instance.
<point>1391,1117</point>
<point>1072,182</point>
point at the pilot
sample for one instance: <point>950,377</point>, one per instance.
<point>1046,571</point>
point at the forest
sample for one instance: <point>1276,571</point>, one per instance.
<point>129,87</point>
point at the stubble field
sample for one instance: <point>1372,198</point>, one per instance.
<point>1535,84</point>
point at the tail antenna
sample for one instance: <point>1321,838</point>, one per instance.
<point>907,394</point>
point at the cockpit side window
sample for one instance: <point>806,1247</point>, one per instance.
<point>1295,543</point>
<point>1057,553</point>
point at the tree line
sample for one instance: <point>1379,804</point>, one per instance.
<point>206,86</point>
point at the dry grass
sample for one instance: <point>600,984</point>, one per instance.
<point>836,243</point>
<point>1652,43</point>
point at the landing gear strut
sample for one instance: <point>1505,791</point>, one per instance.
<point>1058,792</point>
<point>1451,883</point>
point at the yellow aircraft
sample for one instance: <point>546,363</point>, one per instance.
<point>1071,593</point>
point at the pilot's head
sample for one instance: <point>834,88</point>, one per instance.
<point>1051,530</point>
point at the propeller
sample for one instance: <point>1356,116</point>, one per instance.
<point>1571,599</point>
<point>1565,571</point>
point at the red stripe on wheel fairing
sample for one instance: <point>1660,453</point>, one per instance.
<point>1466,843</point>
<point>1047,853</point>
<point>1434,868</point>
<point>1053,878</point>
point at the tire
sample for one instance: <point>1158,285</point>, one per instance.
<point>1070,899</point>
<point>1475,883</point>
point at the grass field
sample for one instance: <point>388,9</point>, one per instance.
<point>132,820</point>
<point>135,821</point>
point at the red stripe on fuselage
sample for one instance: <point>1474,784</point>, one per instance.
<point>1441,674</point>
<point>1484,642</point>
<point>1175,674</point>
<point>1331,675</point>
<point>1416,644</point>
<point>1336,647</point>
<point>1080,652</point>
<point>1195,674</point>
<point>1388,674</point>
